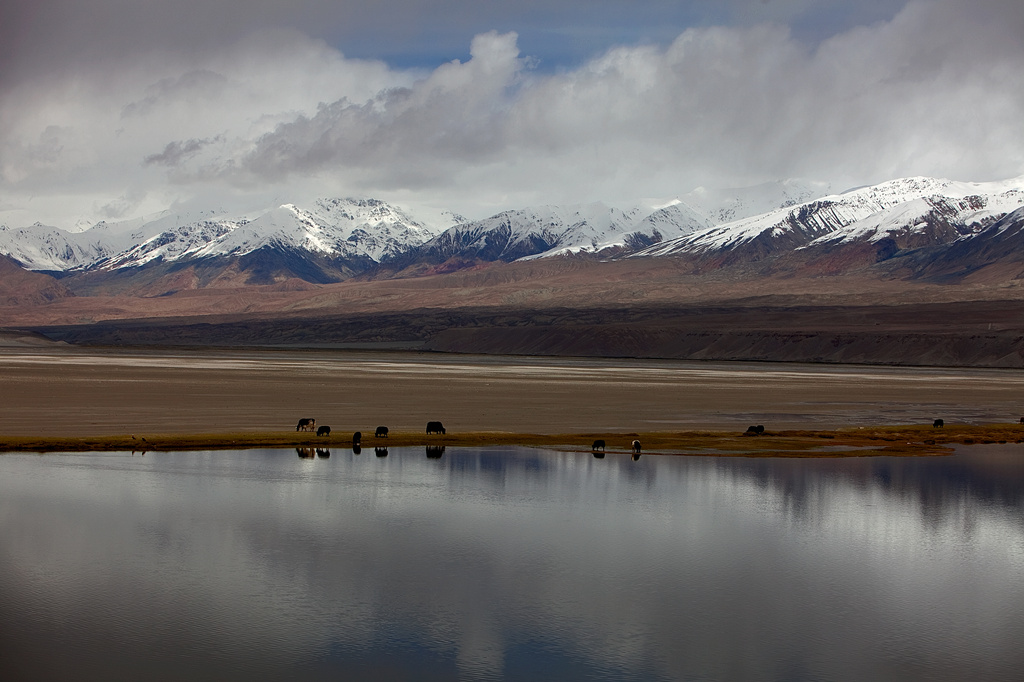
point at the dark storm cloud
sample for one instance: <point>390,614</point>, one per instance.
<point>176,152</point>
<point>457,114</point>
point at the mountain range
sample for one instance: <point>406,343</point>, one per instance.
<point>335,239</point>
<point>902,229</point>
<point>906,214</point>
<point>910,271</point>
<point>365,229</point>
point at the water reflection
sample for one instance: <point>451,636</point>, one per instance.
<point>511,564</point>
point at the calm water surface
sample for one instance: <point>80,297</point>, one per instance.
<point>511,564</point>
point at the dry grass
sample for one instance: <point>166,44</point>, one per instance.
<point>881,440</point>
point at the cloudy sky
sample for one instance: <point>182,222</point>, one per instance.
<point>111,109</point>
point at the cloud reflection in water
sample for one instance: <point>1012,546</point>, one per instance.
<point>512,564</point>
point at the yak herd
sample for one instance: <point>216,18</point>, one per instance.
<point>437,428</point>
<point>309,424</point>
<point>433,451</point>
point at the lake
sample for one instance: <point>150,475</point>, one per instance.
<point>510,563</point>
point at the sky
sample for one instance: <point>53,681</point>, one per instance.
<point>112,109</point>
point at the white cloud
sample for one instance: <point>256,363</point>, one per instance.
<point>937,90</point>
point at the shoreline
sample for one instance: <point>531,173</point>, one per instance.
<point>912,440</point>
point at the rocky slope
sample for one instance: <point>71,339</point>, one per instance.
<point>19,287</point>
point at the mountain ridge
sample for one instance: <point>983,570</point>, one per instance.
<point>908,220</point>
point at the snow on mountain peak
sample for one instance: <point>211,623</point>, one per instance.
<point>364,228</point>
<point>544,231</point>
<point>789,214</point>
<point>729,205</point>
<point>859,213</point>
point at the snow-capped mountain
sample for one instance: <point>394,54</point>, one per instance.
<point>372,231</point>
<point>961,210</point>
<point>917,211</point>
<point>675,220</point>
<point>41,247</point>
<point>729,205</point>
<point>546,231</point>
<point>338,228</point>
<point>999,246</point>
<point>333,239</point>
<point>534,232</point>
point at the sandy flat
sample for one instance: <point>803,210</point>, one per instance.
<point>83,392</point>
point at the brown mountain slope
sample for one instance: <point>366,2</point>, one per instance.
<point>19,287</point>
<point>634,308</point>
<point>529,286</point>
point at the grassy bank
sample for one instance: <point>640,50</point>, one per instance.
<point>883,440</point>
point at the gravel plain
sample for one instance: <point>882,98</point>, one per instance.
<point>85,392</point>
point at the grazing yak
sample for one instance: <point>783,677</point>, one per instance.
<point>435,427</point>
<point>323,431</point>
<point>937,424</point>
<point>306,424</point>
<point>381,432</point>
<point>636,447</point>
<point>598,445</point>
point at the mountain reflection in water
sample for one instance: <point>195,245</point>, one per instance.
<point>511,563</point>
